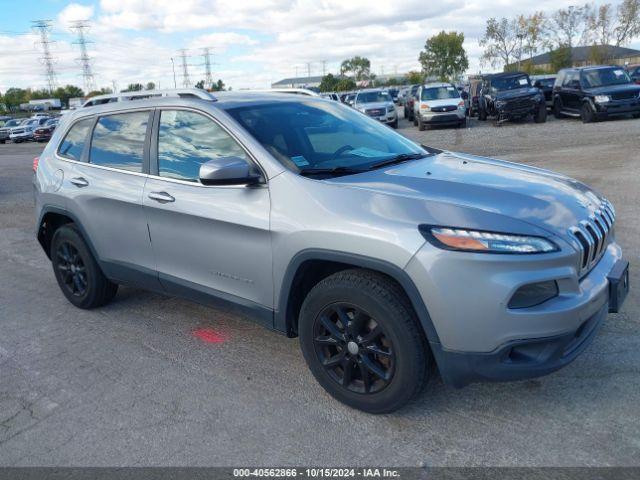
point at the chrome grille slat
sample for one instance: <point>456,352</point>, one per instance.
<point>593,236</point>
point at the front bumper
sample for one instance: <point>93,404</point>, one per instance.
<point>442,118</point>
<point>21,136</point>
<point>618,108</point>
<point>481,339</point>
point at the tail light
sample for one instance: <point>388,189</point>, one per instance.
<point>35,164</point>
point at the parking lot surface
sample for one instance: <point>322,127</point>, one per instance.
<point>138,383</point>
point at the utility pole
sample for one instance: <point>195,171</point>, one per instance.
<point>308,69</point>
<point>115,86</point>
<point>173,66</point>
<point>186,82</point>
<point>80,26</point>
<point>43,27</point>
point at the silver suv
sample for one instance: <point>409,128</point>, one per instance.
<point>385,257</point>
<point>439,104</point>
<point>378,104</point>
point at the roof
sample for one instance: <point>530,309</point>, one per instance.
<point>298,80</point>
<point>503,75</point>
<point>437,84</point>
<point>584,54</point>
<point>143,94</point>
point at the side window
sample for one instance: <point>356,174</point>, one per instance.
<point>570,78</point>
<point>73,143</point>
<point>186,140</point>
<point>118,141</point>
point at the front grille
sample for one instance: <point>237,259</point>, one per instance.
<point>375,112</point>
<point>446,108</point>
<point>624,95</point>
<point>18,131</point>
<point>518,105</point>
<point>593,236</point>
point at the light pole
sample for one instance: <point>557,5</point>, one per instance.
<point>173,66</point>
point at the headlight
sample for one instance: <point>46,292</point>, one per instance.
<point>485,242</point>
<point>500,104</point>
<point>602,98</point>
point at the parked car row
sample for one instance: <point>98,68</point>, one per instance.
<point>39,128</point>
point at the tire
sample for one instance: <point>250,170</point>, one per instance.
<point>463,123</point>
<point>635,115</point>
<point>557,109</point>
<point>421,126</point>
<point>401,357</point>
<point>406,112</point>
<point>586,113</point>
<point>2,142</point>
<point>482,114</point>
<point>77,272</point>
<point>541,114</point>
<point>415,120</point>
<point>394,125</point>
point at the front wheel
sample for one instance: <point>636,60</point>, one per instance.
<point>394,124</point>
<point>421,125</point>
<point>362,342</point>
<point>541,114</point>
<point>77,272</point>
<point>586,113</point>
<point>557,109</point>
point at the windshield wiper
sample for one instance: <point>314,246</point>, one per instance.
<point>307,172</point>
<point>403,157</point>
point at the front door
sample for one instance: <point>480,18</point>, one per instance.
<point>209,239</point>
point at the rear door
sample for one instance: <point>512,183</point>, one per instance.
<point>104,178</point>
<point>209,239</point>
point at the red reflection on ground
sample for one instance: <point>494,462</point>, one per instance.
<point>209,335</point>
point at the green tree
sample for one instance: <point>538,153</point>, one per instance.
<point>444,56</point>
<point>414,77</point>
<point>67,92</point>
<point>134,87</point>
<point>561,58</point>
<point>329,83</point>
<point>502,41</point>
<point>218,86</point>
<point>358,67</point>
<point>102,91</point>
<point>13,97</point>
<point>345,84</point>
<point>150,86</point>
<point>200,85</point>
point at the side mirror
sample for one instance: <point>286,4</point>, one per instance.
<point>228,171</point>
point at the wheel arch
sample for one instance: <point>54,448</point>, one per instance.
<point>51,218</point>
<point>321,263</point>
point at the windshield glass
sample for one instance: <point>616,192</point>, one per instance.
<point>510,83</point>
<point>546,82</point>
<point>309,135</point>
<point>373,97</point>
<point>603,77</point>
<point>440,93</point>
<point>12,123</point>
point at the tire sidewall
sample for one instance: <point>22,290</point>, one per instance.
<point>404,345</point>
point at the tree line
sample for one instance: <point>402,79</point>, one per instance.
<point>515,41</point>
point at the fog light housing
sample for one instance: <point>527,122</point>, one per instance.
<point>534,294</point>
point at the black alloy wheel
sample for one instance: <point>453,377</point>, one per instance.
<point>353,348</point>
<point>72,269</point>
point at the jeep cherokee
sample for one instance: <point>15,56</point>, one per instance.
<point>384,257</point>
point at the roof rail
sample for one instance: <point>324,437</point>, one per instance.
<point>143,94</point>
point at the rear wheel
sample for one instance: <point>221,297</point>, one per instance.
<point>361,340</point>
<point>77,272</point>
<point>586,113</point>
<point>463,123</point>
<point>394,124</point>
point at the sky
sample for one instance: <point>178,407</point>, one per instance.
<point>253,42</point>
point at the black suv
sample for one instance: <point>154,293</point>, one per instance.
<point>510,96</point>
<point>595,93</point>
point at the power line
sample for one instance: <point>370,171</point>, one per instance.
<point>80,26</point>
<point>208,78</point>
<point>43,27</point>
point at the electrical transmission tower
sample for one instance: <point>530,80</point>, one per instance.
<point>208,78</point>
<point>186,82</point>
<point>80,27</point>
<point>43,27</point>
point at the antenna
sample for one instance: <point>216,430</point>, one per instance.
<point>43,27</point>
<point>80,26</point>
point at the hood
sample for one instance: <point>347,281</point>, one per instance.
<point>444,102</point>
<point>610,89</point>
<point>547,200</point>
<point>373,105</point>
<point>517,93</point>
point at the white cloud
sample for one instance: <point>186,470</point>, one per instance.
<point>74,12</point>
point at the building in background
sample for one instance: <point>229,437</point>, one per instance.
<point>584,56</point>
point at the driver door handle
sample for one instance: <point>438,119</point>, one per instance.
<point>79,182</point>
<point>162,197</point>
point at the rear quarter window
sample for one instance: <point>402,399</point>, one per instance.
<point>74,141</point>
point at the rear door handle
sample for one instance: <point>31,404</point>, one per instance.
<point>162,197</point>
<point>79,182</point>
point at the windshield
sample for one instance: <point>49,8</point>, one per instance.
<point>546,82</point>
<point>12,123</point>
<point>373,97</point>
<point>310,135</point>
<point>510,83</point>
<point>603,77</point>
<point>440,93</point>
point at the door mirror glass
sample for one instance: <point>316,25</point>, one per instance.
<point>228,171</point>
